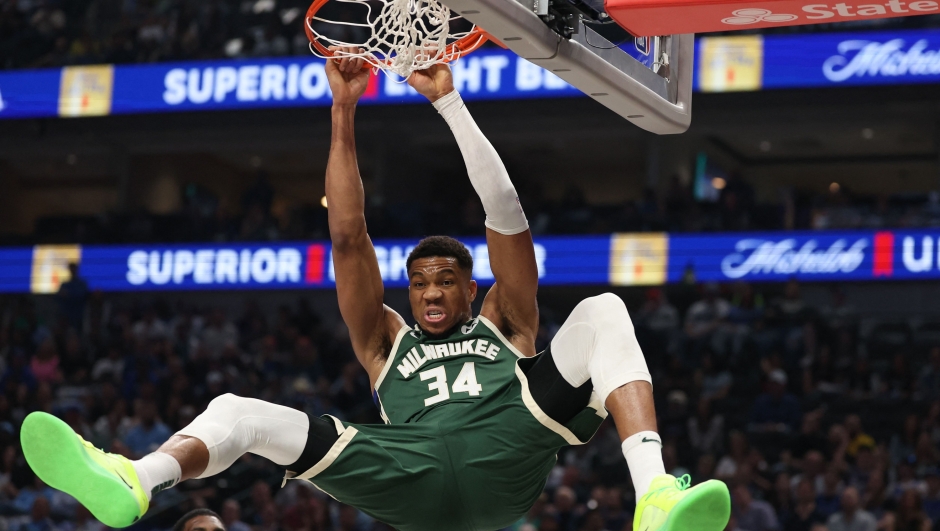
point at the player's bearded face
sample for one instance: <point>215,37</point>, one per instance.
<point>440,293</point>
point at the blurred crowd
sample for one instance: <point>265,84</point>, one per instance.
<point>263,215</point>
<point>815,421</point>
<point>44,33</point>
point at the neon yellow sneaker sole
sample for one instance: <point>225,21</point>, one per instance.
<point>106,484</point>
<point>670,505</point>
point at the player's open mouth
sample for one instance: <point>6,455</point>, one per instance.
<point>434,316</point>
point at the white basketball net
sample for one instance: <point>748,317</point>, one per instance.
<point>407,35</point>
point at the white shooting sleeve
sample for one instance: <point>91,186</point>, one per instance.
<point>487,173</point>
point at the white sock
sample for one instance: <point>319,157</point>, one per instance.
<point>644,453</point>
<point>157,471</point>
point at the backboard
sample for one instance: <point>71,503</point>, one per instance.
<point>647,81</point>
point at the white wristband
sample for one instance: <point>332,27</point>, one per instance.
<point>487,173</point>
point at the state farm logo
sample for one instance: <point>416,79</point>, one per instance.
<point>754,15</point>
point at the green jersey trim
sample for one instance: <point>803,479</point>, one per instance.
<point>499,335</point>
<point>390,359</point>
<point>346,435</point>
<point>547,421</point>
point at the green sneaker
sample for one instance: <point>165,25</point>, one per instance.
<point>670,505</point>
<point>106,484</point>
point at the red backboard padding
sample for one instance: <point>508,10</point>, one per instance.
<point>645,18</point>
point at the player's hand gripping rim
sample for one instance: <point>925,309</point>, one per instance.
<point>348,75</point>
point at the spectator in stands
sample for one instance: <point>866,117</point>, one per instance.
<point>113,424</point>
<point>876,495</point>
<point>926,453</point>
<point>856,435</point>
<point>931,424</point>
<point>851,517</point>
<point>614,515</point>
<point>729,464</point>
<point>775,411</point>
<point>820,374</point>
<point>790,314</point>
<point>259,500</point>
<point>149,433</point>
<point>906,479</point>
<point>804,514</point>
<point>704,319</point>
<point>810,439</point>
<point>713,379</point>
<point>19,373</point>
<point>26,497</point>
<point>866,465</point>
<point>747,311</point>
<point>898,381</point>
<point>780,496</point>
<point>829,499</point>
<point>45,364</point>
<point>8,490</point>
<point>928,381</point>
<point>565,508</point>
<point>706,430</point>
<point>657,322</point>
<point>39,518</point>
<point>218,334</point>
<point>109,368</point>
<point>675,417</point>
<point>150,327</point>
<point>932,496</point>
<point>657,314</point>
<point>306,511</point>
<point>813,466</point>
<point>72,296</point>
<point>751,514</point>
<point>232,516</point>
<point>199,520</point>
<point>269,519</point>
<point>82,521</point>
<point>909,515</point>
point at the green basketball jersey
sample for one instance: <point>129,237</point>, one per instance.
<point>464,448</point>
<point>424,374</point>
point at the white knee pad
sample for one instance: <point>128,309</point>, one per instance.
<point>232,426</point>
<point>597,342</point>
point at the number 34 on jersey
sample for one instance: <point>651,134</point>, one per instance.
<point>466,382</point>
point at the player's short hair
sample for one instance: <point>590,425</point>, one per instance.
<point>444,246</point>
<point>180,524</point>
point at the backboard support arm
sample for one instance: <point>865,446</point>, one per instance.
<point>659,104</point>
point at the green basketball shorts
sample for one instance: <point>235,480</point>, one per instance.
<point>476,466</point>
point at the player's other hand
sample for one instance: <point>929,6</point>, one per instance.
<point>433,83</point>
<point>348,79</point>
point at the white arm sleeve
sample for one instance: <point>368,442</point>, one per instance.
<point>487,174</point>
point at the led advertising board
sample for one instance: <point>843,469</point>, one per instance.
<point>615,260</point>
<point>739,63</point>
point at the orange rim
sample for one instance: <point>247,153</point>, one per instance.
<point>458,48</point>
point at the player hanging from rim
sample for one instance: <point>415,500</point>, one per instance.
<point>474,418</point>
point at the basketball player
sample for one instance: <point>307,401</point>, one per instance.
<point>474,418</point>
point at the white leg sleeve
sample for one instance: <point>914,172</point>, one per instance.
<point>232,426</point>
<point>597,342</point>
